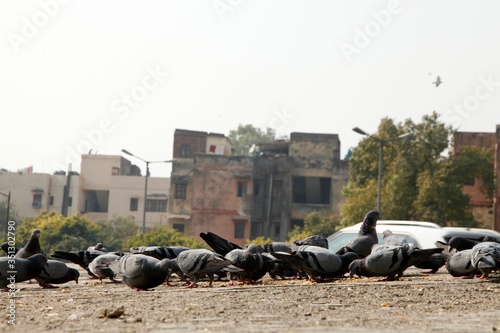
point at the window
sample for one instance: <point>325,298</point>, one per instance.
<point>179,227</point>
<point>51,200</point>
<point>470,182</point>
<point>277,230</point>
<point>311,190</point>
<point>256,188</point>
<point>155,205</point>
<point>242,189</point>
<point>239,230</point>
<point>115,171</point>
<point>185,151</point>
<point>70,201</point>
<point>180,191</point>
<point>134,203</point>
<point>37,201</point>
<point>277,188</point>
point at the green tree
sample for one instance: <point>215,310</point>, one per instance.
<point>259,241</point>
<point>164,236</point>
<point>117,231</point>
<point>60,233</point>
<point>419,182</point>
<point>314,225</point>
<point>246,135</point>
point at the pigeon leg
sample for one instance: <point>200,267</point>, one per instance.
<point>193,284</point>
<point>211,277</point>
<point>49,286</point>
<point>432,271</point>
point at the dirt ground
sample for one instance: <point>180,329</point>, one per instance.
<point>416,303</point>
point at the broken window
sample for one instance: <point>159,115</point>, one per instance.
<point>180,190</point>
<point>311,190</point>
<point>242,189</point>
<point>239,230</point>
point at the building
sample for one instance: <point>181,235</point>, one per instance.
<point>243,197</point>
<point>486,212</point>
<point>107,186</point>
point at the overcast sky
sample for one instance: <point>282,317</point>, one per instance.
<point>112,75</point>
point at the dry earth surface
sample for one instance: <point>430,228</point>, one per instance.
<point>416,303</point>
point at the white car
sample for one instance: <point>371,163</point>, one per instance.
<point>421,234</point>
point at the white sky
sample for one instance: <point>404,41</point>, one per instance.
<point>66,71</point>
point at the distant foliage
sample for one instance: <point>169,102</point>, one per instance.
<point>59,233</point>
<point>419,180</point>
<point>117,231</point>
<point>314,225</point>
<point>247,135</point>
<point>259,241</point>
<point>164,236</point>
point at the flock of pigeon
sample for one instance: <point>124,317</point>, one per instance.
<point>146,267</point>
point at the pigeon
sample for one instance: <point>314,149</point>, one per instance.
<point>32,246</point>
<point>366,237</point>
<point>459,265</point>
<point>394,240</point>
<point>434,262</point>
<point>57,273</point>
<point>199,262</point>
<point>159,252</point>
<point>389,261</point>
<point>318,263</point>
<point>248,260</point>
<point>6,248</point>
<point>437,82</point>
<point>25,269</point>
<point>485,256</point>
<point>315,240</point>
<point>461,243</point>
<point>81,258</point>
<point>275,247</point>
<point>142,272</point>
<point>100,266</point>
<point>97,247</point>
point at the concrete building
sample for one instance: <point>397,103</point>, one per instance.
<point>243,197</point>
<point>108,186</point>
<point>486,212</point>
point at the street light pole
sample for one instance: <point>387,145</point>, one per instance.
<point>381,155</point>
<point>145,185</point>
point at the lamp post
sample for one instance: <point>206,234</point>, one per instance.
<point>381,155</point>
<point>8,209</point>
<point>146,184</point>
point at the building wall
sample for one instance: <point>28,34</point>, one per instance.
<point>215,204</point>
<point>218,144</point>
<point>496,200</point>
<point>196,140</point>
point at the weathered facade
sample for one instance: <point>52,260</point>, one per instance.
<point>243,197</point>
<point>486,211</point>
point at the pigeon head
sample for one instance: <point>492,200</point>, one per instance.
<point>347,259</point>
<point>356,268</point>
<point>253,248</point>
<point>387,233</point>
<point>372,217</point>
<point>36,233</point>
<point>99,246</point>
<point>73,275</point>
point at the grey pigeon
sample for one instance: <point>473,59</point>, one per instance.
<point>485,256</point>
<point>275,247</point>
<point>389,261</point>
<point>394,240</point>
<point>461,243</point>
<point>142,272</point>
<point>318,263</point>
<point>25,269</point>
<point>459,264</point>
<point>7,248</point>
<point>32,246</point>
<point>159,252</point>
<point>81,258</point>
<point>100,266</point>
<point>314,240</point>
<point>434,262</point>
<point>249,260</point>
<point>199,262</point>
<point>362,243</point>
<point>57,273</point>
<point>97,247</point>
<point>437,82</point>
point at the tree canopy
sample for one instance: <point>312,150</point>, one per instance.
<point>419,181</point>
<point>247,135</point>
<point>163,236</point>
